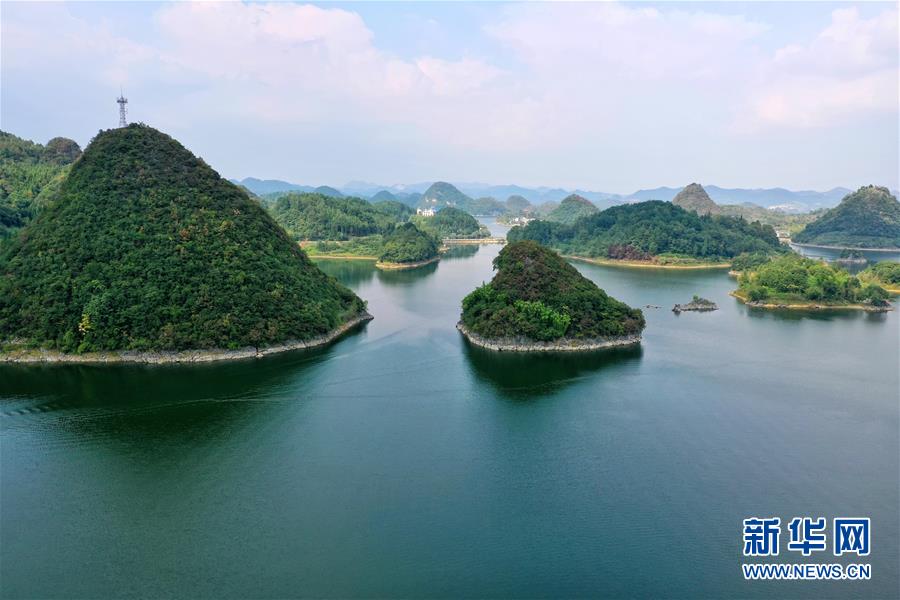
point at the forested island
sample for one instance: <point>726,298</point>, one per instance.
<point>407,247</point>
<point>654,233</point>
<point>147,254</point>
<point>538,302</point>
<point>867,218</point>
<point>792,281</point>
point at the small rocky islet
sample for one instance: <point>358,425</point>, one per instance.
<point>697,304</point>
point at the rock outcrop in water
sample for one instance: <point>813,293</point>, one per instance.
<point>698,304</point>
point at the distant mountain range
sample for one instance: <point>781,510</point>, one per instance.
<point>790,201</point>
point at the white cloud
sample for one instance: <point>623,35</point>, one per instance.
<point>848,70</point>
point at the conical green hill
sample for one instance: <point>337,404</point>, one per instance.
<point>148,248</point>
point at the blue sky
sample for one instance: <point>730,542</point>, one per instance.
<point>610,97</point>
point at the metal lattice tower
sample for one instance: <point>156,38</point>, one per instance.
<point>122,100</point>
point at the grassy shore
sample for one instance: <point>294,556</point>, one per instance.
<point>652,264</point>
<point>798,304</point>
<point>341,257</point>
<point>392,266</point>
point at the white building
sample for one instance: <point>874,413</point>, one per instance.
<point>425,212</point>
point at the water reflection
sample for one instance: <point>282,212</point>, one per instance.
<point>793,314</point>
<point>461,251</point>
<point>406,276</point>
<point>351,273</point>
<point>524,375</point>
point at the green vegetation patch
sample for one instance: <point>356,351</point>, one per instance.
<point>793,279</point>
<point>312,216</point>
<point>867,218</point>
<point>652,229</point>
<point>407,244</point>
<point>537,295</point>
<point>30,175</point>
<point>451,222</point>
<point>147,248</point>
<point>571,209</point>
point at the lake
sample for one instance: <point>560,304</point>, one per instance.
<point>400,461</point>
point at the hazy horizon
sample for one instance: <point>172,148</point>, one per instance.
<point>602,97</point>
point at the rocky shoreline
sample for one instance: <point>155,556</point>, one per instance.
<point>391,266</point>
<point>811,305</point>
<point>30,355</point>
<point>563,345</point>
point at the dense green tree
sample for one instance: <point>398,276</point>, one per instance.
<point>30,174</point>
<point>311,216</point>
<point>654,228</point>
<point>517,204</point>
<point>147,248</point>
<point>407,244</point>
<point>451,222</point>
<point>793,278</point>
<point>396,210</point>
<point>886,271</point>
<point>571,209</point>
<point>867,218</point>
<point>537,295</point>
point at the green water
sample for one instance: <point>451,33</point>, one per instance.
<point>402,462</point>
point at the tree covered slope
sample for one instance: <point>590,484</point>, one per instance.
<point>147,248</point>
<point>311,216</point>
<point>867,218</point>
<point>451,222</point>
<point>30,174</point>
<point>407,244</point>
<point>571,209</point>
<point>537,295</point>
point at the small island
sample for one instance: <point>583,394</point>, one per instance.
<point>538,302</point>
<point>698,304</point>
<point>407,247</point>
<point>850,256</point>
<point>793,281</point>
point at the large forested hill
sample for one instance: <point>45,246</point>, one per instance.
<point>538,295</point>
<point>442,193</point>
<point>571,209</point>
<point>29,175</point>
<point>648,229</point>
<point>147,248</point>
<point>694,197</point>
<point>309,216</point>
<point>867,218</point>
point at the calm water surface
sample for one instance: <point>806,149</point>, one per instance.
<point>402,462</point>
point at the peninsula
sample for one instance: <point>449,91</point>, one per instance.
<point>147,254</point>
<point>538,302</point>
